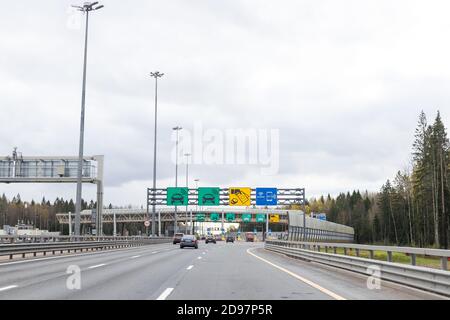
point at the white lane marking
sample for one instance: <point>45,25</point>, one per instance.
<point>8,287</point>
<point>312,284</point>
<point>204,252</point>
<point>97,266</point>
<point>155,251</point>
<point>199,258</point>
<point>165,294</point>
<point>134,257</point>
<point>190,267</point>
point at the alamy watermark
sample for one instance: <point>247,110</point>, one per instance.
<point>250,146</point>
<point>73,281</point>
<point>374,279</point>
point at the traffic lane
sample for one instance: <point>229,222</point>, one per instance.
<point>228,272</point>
<point>134,278</point>
<point>351,285</point>
<point>29,273</point>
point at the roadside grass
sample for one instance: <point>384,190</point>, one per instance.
<point>430,262</point>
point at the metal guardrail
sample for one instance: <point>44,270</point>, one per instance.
<point>433,280</point>
<point>442,254</point>
<point>58,238</point>
<point>12,249</point>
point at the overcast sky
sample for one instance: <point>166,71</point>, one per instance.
<point>343,82</point>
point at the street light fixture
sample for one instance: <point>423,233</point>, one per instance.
<point>86,8</point>
<point>177,129</point>
<point>155,75</point>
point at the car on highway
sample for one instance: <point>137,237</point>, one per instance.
<point>218,237</point>
<point>189,241</point>
<point>177,238</point>
<point>249,237</point>
<point>210,239</point>
<point>230,239</point>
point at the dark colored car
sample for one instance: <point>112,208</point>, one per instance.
<point>177,238</point>
<point>230,239</point>
<point>210,239</point>
<point>189,241</point>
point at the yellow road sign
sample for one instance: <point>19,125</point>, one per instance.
<point>240,196</point>
<point>274,218</point>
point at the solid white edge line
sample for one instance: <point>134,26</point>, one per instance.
<point>308,282</point>
<point>165,294</point>
<point>97,266</point>
<point>8,287</point>
<point>190,267</point>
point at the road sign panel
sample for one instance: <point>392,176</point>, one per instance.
<point>214,216</point>
<point>246,217</point>
<point>274,218</point>
<point>260,218</point>
<point>200,217</point>
<point>177,196</point>
<point>208,196</point>
<point>146,223</point>
<point>266,196</point>
<point>240,196</point>
<point>230,216</point>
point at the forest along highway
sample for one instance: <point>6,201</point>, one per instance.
<point>237,270</point>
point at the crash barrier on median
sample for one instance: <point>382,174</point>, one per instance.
<point>13,249</point>
<point>433,280</point>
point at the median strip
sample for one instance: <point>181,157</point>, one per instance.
<point>312,284</point>
<point>165,294</point>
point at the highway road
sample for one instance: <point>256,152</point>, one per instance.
<point>228,271</point>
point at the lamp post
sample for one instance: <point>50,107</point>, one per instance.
<point>86,8</point>
<point>196,206</point>
<point>187,155</point>
<point>155,75</point>
<point>177,129</point>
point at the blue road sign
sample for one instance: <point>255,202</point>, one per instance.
<point>266,196</point>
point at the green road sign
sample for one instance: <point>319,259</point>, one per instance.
<point>214,216</point>
<point>260,218</point>
<point>177,196</point>
<point>200,217</point>
<point>208,196</point>
<point>246,217</point>
<point>230,216</point>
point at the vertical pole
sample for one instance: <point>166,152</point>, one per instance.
<point>176,180</point>
<point>154,162</point>
<point>80,153</point>
<point>70,224</point>
<point>114,222</point>
<point>267,225</point>
<point>304,215</point>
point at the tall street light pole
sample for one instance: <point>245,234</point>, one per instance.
<point>196,206</point>
<point>86,8</point>
<point>187,155</point>
<point>177,129</point>
<point>155,75</point>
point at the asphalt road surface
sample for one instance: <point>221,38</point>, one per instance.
<point>226,271</point>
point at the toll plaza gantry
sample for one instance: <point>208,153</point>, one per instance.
<point>55,169</point>
<point>232,197</point>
